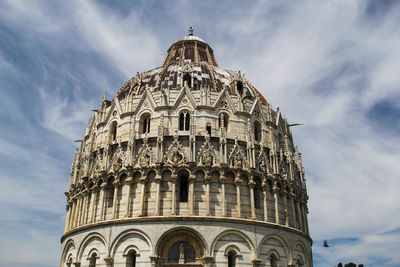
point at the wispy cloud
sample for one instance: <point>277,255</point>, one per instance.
<point>331,65</point>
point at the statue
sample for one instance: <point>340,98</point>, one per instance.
<point>262,166</point>
<point>207,158</point>
<point>145,160</point>
<point>181,254</point>
<point>237,160</point>
<point>176,157</point>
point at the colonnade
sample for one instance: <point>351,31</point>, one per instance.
<point>90,205</point>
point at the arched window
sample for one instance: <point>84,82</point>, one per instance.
<point>257,193</point>
<point>183,188</point>
<point>187,78</point>
<point>239,87</point>
<point>184,121</point>
<point>257,131</point>
<point>299,263</point>
<point>231,258</point>
<point>92,260</point>
<point>69,262</point>
<point>131,259</point>
<point>208,128</point>
<point>110,193</point>
<point>223,118</point>
<point>144,126</point>
<point>273,260</point>
<point>113,131</point>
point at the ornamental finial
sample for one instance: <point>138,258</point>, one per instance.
<point>191,31</point>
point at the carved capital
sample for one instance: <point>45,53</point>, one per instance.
<point>109,260</point>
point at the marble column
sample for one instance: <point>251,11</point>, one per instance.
<point>293,210</point>
<point>158,185</point>
<point>238,181</point>
<point>192,178</point>
<point>102,201</point>
<point>276,190</point>
<point>66,228</point>
<point>207,182</point>
<point>115,199</point>
<point>300,225</point>
<point>79,210</point>
<point>286,212</point>
<point>93,208</point>
<point>84,206</point>
<point>252,204</point>
<point>173,180</point>
<point>142,182</point>
<point>223,181</point>
<point>265,191</point>
<point>71,221</point>
<point>128,186</point>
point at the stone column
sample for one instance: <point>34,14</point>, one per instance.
<point>69,207</point>
<point>93,208</point>
<point>293,210</point>
<point>102,201</point>
<point>71,221</point>
<point>158,184</point>
<point>237,183</point>
<point>252,204</point>
<point>207,182</point>
<point>223,181</point>
<point>284,194</point>
<point>265,191</point>
<point>142,182</point>
<point>84,206</point>
<point>192,178</point>
<point>173,180</point>
<point>128,186</point>
<point>79,210</point>
<point>276,189</point>
<point>304,218</point>
<point>300,227</point>
<point>115,199</point>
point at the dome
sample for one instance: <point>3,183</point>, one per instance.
<point>188,165</point>
<point>191,58</point>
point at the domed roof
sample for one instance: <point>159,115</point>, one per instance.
<point>191,38</point>
<point>191,57</point>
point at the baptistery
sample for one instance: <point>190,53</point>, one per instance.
<point>187,165</point>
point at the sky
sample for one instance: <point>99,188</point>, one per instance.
<point>331,65</point>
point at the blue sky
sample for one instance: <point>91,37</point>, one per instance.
<point>332,65</point>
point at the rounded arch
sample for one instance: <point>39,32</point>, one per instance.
<point>122,176</point>
<point>144,122</point>
<point>277,238</point>
<point>110,179</point>
<point>150,173</point>
<point>131,232</point>
<point>183,171</point>
<point>66,252</point>
<point>113,126</point>
<point>182,233</point>
<point>86,241</point>
<point>305,259</point>
<point>232,231</point>
<point>232,248</point>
